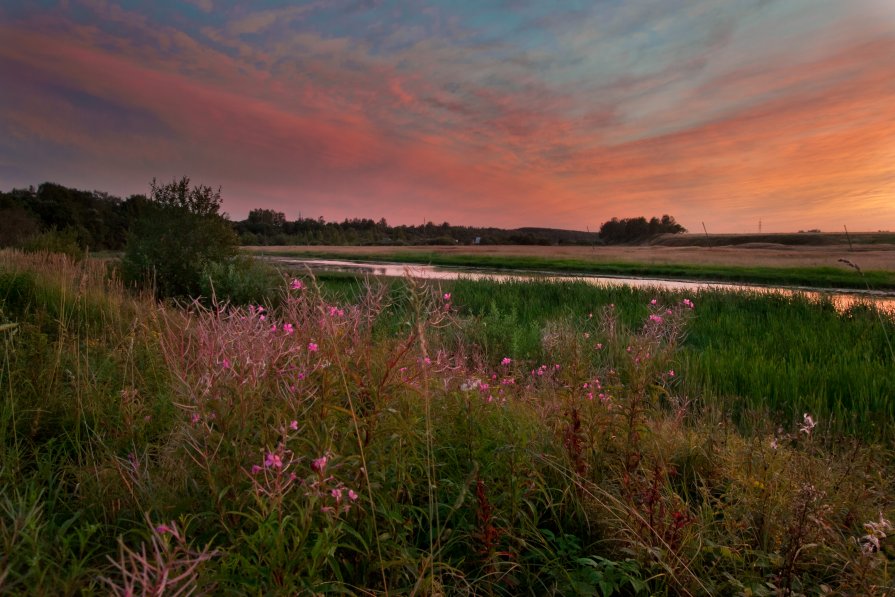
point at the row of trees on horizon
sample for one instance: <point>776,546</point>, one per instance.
<point>53,214</point>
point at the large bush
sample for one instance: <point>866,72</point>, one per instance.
<point>177,233</point>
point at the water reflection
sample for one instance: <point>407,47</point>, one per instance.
<point>841,300</point>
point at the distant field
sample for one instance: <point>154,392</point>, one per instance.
<point>868,256</point>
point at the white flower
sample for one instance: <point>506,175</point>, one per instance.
<point>808,423</point>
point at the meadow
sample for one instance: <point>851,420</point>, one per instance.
<point>365,437</point>
<point>866,266</point>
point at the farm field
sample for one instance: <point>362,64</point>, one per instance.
<point>367,437</point>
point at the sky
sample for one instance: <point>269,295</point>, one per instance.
<point>509,113</point>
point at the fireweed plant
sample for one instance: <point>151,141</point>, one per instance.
<point>377,446</point>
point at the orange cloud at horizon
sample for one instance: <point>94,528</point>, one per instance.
<point>803,144</point>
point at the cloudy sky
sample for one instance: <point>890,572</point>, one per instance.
<point>505,112</point>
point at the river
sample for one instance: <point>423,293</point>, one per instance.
<point>842,300</point>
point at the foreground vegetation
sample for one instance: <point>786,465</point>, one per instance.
<point>845,277</point>
<point>404,439</point>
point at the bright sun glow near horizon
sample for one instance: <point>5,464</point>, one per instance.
<point>512,113</point>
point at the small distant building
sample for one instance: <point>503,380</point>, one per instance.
<point>477,241</point>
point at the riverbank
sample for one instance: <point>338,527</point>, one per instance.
<point>811,267</point>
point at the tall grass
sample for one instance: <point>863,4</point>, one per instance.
<point>410,440</point>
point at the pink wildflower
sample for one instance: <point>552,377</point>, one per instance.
<point>312,347</point>
<point>296,284</point>
<point>319,464</point>
<point>225,364</point>
<point>256,469</point>
<point>599,346</point>
<point>447,296</point>
<point>655,318</point>
<point>653,302</point>
<point>336,493</point>
<point>273,460</point>
<point>506,361</point>
<point>287,327</point>
<point>671,373</point>
<point>352,495</point>
<point>162,529</point>
<point>195,418</point>
<point>293,425</point>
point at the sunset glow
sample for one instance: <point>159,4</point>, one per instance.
<point>521,114</point>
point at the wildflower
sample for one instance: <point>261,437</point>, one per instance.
<point>195,418</point>
<point>671,373</point>
<point>447,296</point>
<point>655,318</point>
<point>599,346</point>
<point>427,361</point>
<point>273,460</point>
<point>273,328</point>
<point>162,529</point>
<point>312,347</point>
<point>653,302</point>
<point>870,543</point>
<point>256,469</point>
<point>296,284</point>
<point>319,464</point>
<point>287,328</point>
<point>808,423</point>
<point>293,425</point>
<point>352,495</point>
<point>506,361</point>
<point>336,493</point>
<point>225,364</point>
<point>688,303</point>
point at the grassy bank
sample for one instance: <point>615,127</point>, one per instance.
<point>406,439</point>
<point>815,277</point>
<point>748,352</point>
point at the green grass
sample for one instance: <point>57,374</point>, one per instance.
<point>747,352</point>
<point>812,277</point>
<point>131,427</point>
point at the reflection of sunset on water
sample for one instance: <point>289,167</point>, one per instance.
<point>843,301</point>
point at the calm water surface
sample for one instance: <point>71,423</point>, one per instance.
<point>842,300</point>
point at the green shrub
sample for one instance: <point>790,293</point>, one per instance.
<point>178,233</point>
<point>56,241</point>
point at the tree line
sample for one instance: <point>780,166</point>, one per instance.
<point>176,237</point>
<point>53,214</point>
